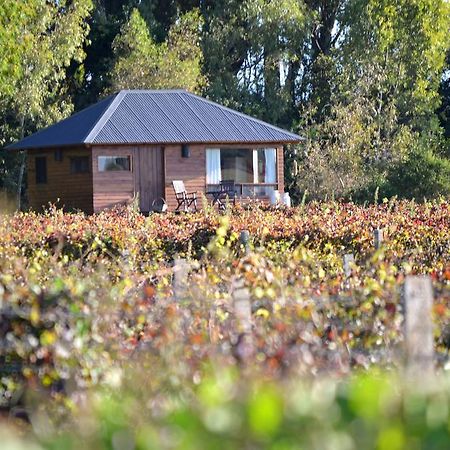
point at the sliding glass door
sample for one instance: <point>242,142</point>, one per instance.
<point>254,171</point>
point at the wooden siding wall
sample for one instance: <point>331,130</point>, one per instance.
<point>112,188</point>
<point>73,189</point>
<point>280,169</point>
<point>94,191</point>
<point>191,170</point>
<point>146,177</point>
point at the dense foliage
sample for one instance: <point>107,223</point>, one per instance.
<point>40,39</point>
<point>365,81</point>
<point>101,343</point>
<point>140,63</point>
<point>120,331</point>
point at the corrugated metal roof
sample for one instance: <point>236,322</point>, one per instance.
<point>70,131</point>
<point>156,117</point>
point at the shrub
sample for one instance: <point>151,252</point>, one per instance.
<point>99,343</point>
<point>423,174</point>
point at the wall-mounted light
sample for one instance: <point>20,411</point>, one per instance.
<point>185,151</point>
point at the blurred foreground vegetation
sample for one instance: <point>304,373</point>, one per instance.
<point>100,348</point>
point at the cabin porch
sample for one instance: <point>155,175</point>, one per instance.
<point>256,170</point>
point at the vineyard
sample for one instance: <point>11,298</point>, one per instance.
<point>121,331</point>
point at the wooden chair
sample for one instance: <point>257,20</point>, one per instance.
<point>184,199</point>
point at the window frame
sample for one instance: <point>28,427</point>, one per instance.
<point>58,155</point>
<point>73,167</point>
<point>254,154</point>
<point>41,172</point>
<point>128,157</point>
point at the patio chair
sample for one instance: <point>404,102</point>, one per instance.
<point>184,199</point>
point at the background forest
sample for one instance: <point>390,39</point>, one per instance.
<point>366,82</point>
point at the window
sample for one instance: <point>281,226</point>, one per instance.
<point>245,167</point>
<point>79,164</point>
<point>114,163</point>
<point>237,165</point>
<point>41,169</point>
<point>58,155</point>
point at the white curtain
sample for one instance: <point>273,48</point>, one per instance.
<point>213,171</point>
<point>270,155</point>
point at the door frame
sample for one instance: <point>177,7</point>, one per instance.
<point>140,179</point>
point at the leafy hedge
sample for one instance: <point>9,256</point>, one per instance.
<point>90,319</point>
<point>415,232</point>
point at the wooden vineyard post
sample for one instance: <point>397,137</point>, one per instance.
<point>244,238</point>
<point>419,348</point>
<point>242,307</point>
<point>378,238</point>
<point>180,277</point>
<point>243,314</point>
<point>349,260</point>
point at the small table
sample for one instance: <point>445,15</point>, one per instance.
<point>218,196</point>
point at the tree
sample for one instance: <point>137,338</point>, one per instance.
<point>89,79</point>
<point>251,52</point>
<point>52,34</point>
<point>383,97</point>
<point>10,45</point>
<point>408,41</point>
<point>318,71</point>
<point>160,15</point>
<point>422,174</point>
<point>444,108</point>
<point>142,63</point>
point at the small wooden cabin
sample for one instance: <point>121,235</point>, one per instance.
<point>135,143</point>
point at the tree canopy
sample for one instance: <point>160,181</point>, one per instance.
<point>141,63</point>
<point>40,40</point>
<point>365,81</point>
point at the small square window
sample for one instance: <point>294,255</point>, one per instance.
<point>79,164</point>
<point>40,163</point>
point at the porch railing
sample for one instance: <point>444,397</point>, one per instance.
<point>249,189</point>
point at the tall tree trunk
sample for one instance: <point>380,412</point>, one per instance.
<point>22,165</point>
<point>322,44</point>
<point>291,88</point>
<point>271,86</point>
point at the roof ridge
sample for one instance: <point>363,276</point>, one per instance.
<point>153,91</point>
<point>107,113</point>
<point>246,116</point>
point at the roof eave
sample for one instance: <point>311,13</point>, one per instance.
<point>222,142</point>
<point>14,147</point>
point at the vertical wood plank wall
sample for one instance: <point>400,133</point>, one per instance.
<point>74,190</point>
<point>149,175</point>
<point>191,170</point>
<point>280,169</point>
<point>113,188</point>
